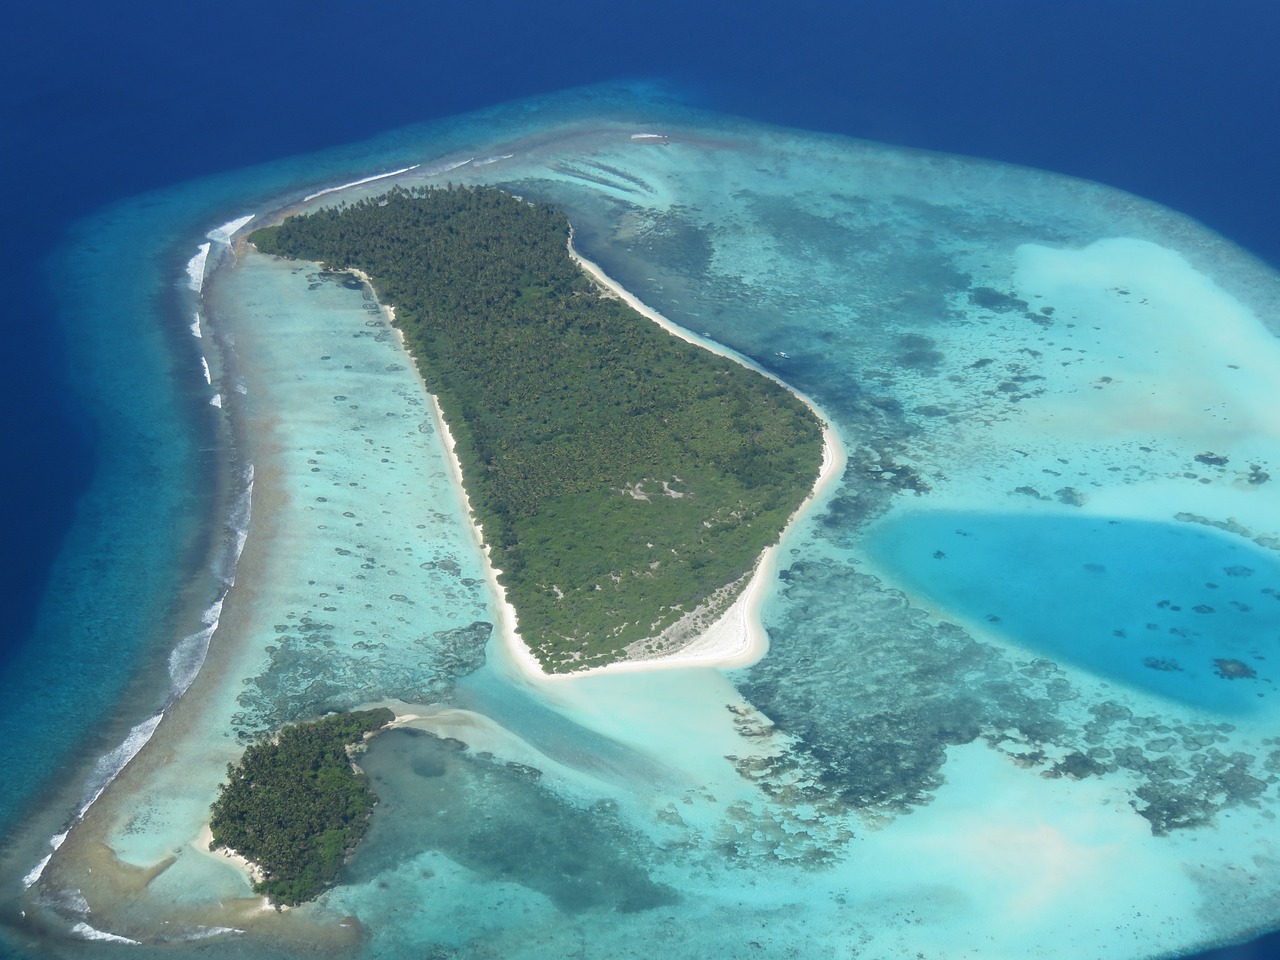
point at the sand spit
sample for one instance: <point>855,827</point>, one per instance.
<point>204,843</point>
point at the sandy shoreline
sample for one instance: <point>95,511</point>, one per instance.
<point>203,842</point>
<point>507,625</point>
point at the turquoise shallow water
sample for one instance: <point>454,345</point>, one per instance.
<point>1014,355</point>
<point>1174,609</point>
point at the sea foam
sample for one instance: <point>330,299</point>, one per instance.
<point>110,764</point>
<point>446,167</point>
<point>195,267</point>
<point>83,929</point>
<point>238,527</point>
<point>186,659</point>
<point>105,770</point>
<point>36,872</point>
<point>204,933</point>
<point>197,264</point>
<point>356,183</point>
<point>224,233</point>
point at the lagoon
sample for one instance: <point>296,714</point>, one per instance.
<point>1174,609</point>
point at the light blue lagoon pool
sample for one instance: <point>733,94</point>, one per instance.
<point>1174,609</point>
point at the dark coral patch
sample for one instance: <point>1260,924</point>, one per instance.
<point>1234,670</point>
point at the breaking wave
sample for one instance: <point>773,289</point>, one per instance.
<point>356,183</point>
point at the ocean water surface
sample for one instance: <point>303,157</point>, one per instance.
<point>1017,700</point>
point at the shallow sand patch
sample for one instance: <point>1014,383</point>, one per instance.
<point>1155,347</point>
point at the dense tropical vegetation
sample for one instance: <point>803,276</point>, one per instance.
<point>621,475</point>
<point>296,806</point>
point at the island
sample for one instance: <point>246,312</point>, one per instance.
<point>625,481</point>
<point>296,805</point>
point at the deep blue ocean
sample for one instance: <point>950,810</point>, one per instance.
<point>1172,100</point>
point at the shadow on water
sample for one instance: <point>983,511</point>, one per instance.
<point>496,820</point>
<point>556,735</point>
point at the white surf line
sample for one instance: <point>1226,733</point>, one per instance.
<point>197,265</point>
<point>356,183</point>
<point>224,233</point>
<point>108,767</point>
<point>110,764</point>
<point>195,268</point>
<point>34,874</point>
<point>87,932</point>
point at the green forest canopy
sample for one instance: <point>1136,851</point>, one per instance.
<point>295,806</point>
<point>621,475</point>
